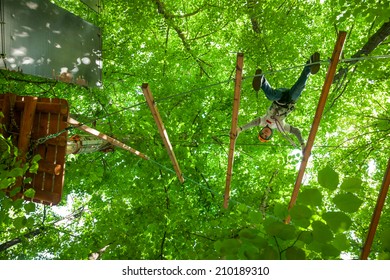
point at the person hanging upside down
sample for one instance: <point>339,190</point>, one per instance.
<point>283,103</point>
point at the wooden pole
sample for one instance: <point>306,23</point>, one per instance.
<point>163,132</point>
<point>105,137</point>
<point>233,130</point>
<point>26,124</point>
<point>377,213</point>
<point>317,118</point>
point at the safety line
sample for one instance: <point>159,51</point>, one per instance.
<point>348,60</point>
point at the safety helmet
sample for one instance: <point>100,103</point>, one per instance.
<point>264,140</point>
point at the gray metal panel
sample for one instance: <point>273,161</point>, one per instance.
<point>95,5</point>
<point>45,40</point>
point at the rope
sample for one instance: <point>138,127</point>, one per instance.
<point>346,60</point>
<point>284,133</point>
<point>193,90</point>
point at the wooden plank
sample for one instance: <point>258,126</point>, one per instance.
<point>50,153</point>
<point>46,107</point>
<point>41,130</point>
<point>5,108</point>
<point>60,151</point>
<point>49,167</point>
<point>163,132</point>
<point>105,137</point>
<point>233,130</point>
<point>377,213</point>
<point>26,124</point>
<point>25,132</point>
<point>317,118</point>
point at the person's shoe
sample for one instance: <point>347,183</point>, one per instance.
<point>257,80</point>
<point>313,59</point>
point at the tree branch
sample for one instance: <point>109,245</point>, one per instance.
<point>374,41</point>
<point>168,17</point>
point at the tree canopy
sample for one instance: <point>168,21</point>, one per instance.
<point>119,206</point>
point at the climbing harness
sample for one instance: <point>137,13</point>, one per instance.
<point>284,133</point>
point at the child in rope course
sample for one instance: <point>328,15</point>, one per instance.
<point>283,104</point>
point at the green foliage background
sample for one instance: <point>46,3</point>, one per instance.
<point>118,206</point>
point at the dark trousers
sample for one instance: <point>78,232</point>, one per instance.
<point>285,95</point>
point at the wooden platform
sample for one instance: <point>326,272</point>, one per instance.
<point>32,119</point>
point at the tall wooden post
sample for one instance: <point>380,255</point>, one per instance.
<point>377,213</point>
<point>163,132</point>
<point>233,130</point>
<point>317,118</point>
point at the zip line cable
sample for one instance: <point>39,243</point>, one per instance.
<point>348,60</point>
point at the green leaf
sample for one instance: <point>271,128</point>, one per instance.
<point>248,233</point>
<point>347,202</point>
<point>312,197</point>
<point>248,251</point>
<point>5,183</point>
<point>341,242</point>
<point>2,216</point>
<point>30,193</point>
<point>328,178</point>
<point>230,247</point>
<point>384,256</point>
<point>258,241</point>
<point>300,212</point>
<point>385,239</point>
<point>16,172</point>
<point>294,253</point>
<point>18,204</point>
<point>14,191</point>
<point>255,217</point>
<point>29,207</point>
<point>281,230</point>
<point>19,222</point>
<point>321,232</point>
<point>306,237</point>
<point>337,221</point>
<point>353,184</point>
<point>34,165</point>
<point>330,252</point>
<point>280,210</point>
<point>268,253</point>
<point>30,222</point>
